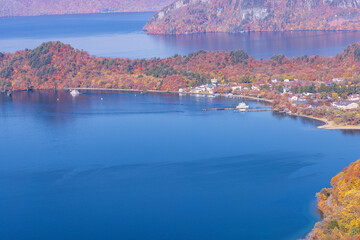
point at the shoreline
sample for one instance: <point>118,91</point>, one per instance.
<point>172,92</point>
<point>328,125</point>
<point>252,31</point>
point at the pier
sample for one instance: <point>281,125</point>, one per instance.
<point>250,109</point>
<point>256,110</point>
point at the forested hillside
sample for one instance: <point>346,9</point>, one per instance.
<point>340,207</point>
<point>57,65</point>
<point>184,16</point>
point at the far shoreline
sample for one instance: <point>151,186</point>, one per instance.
<point>252,31</point>
<point>172,92</point>
<point>328,125</point>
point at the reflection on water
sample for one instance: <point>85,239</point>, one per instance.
<point>121,35</point>
<point>313,122</point>
<point>351,132</point>
<point>60,105</point>
<point>265,44</point>
<point>114,165</point>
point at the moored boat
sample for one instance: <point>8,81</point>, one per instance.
<point>242,105</point>
<point>74,92</point>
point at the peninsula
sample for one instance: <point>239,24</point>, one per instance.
<point>319,87</point>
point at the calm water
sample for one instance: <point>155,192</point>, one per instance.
<point>157,167</point>
<point>121,35</point>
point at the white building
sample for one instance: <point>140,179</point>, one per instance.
<point>214,81</point>
<point>338,80</point>
<point>236,88</point>
<point>294,99</point>
<point>346,105</point>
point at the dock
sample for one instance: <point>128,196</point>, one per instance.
<point>218,109</point>
<point>257,110</point>
<point>250,109</point>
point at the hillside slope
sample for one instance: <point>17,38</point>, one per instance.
<point>50,7</point>
<point>194,16</point>
<point>340,207</point>
<point>57,65</point>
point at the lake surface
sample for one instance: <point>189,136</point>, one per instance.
<point>126,166</point>
<point>132,166</point>
<point>121,35</point>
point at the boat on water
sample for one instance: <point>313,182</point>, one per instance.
<point>242,106</point>
<point>74,92</point>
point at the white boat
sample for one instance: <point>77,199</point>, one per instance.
<point>242,105</point>
<point>74,92</point>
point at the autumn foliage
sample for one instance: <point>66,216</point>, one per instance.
<point>340,207</point>
<point>57,65</point>
<point>196,16</point>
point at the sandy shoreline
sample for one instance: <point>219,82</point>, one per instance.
<point>328,124</point>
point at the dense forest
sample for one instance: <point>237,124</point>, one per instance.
<point>50,7</point>
<point>57,65</point>
<point>196,16</point>
<point>340,207</point>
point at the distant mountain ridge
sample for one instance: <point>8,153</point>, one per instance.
<point>49,7</point>
<point>194,16</point>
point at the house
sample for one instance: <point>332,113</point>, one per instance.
<point>345,105</point>
<point>354,98</point>
<point>338,80</point>
<point>255,87</point>
<point>294,99</point>
<point>236,88</point>
<point>214,81</point>
<point>301,101</point>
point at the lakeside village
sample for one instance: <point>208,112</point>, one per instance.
<point>336,102</point>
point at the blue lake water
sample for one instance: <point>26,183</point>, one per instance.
<point>121,35</point>
<point>157,167</point>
